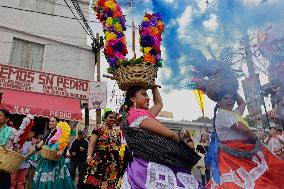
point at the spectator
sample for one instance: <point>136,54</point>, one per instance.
<point>78,153</point>
<point>202,148</point>
<point>185,136</point>
<point>275,143</point>
<point>18,179</point>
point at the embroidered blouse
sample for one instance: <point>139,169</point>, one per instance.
<point>224,121</point>
<point>136,116</point>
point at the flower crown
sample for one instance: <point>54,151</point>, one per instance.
<point>110,15</point>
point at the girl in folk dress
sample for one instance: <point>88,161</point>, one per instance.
<point>103,155</point>
<point>238,159</point>
<point>160,159</point>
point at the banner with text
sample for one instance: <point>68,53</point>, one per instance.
<point>98,95</point>
<point>40,82</point>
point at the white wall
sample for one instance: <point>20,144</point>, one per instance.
<point>59,58</point>
<point>45,25</point>
<point>199,128</point>
<point>69,56</point>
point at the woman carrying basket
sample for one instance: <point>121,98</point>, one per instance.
<point>7,135</point>
<point>51,174</point>
<point>160,159</point>
<point>238,159</point>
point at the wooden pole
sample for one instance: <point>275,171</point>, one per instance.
<point>98,55</point>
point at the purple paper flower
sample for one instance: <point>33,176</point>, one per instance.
<point>147,41</point>
<point>145,24</point>
<point>118,46</point>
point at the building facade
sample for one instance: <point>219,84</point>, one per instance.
<point>41,35</point>
<point>44,39</point>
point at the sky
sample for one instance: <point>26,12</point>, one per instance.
<point>196,32</point>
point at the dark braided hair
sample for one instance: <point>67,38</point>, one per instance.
<point>131,92</point>
<point>215,112</point>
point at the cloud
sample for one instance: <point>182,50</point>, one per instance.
<point>211,24</point>
<point>202,5</point>
<point>191,26</point>
<point>169,1</point>
<point>185,20</point>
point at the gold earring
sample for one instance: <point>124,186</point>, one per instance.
<point>135,105</point>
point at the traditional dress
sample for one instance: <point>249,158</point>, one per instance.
<point>52,174</point>
<point>240,164</point>
<point>7,135</point>
<point>103,172</point>
<point>144,173</point>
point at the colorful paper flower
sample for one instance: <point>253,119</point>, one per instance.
<point>149,58</point>
<point>111,5</point>
<point>110,15</point>
<point>61,138</point>
<point>109,22</point>
<point>150,31</point>
<point>110,36</point>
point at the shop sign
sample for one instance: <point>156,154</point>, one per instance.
<point>47,113</point>
<point>40,82</point>
<point>98,95</point>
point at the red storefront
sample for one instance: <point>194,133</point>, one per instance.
<point>41,94</point>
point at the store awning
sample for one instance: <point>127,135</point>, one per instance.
<point>41,105</point>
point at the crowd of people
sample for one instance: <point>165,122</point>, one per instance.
<point>153,155</point>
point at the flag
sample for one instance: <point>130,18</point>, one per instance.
<point>200,99</point>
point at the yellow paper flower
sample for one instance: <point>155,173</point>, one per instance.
<point>146,19</point>
<point>122,150</point>
<point>147,50</point>
<point>64,137</point>
<point>109,22</point>
<point>110,36</point>
<point>118,27</point>
<point>111,5</point>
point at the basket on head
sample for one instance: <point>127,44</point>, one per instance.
<point>49,154</point>
<point>10,160</point>
<point>220,83</point>
<point>135,74</point>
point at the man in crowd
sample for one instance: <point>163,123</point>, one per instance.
<point>78,153</point>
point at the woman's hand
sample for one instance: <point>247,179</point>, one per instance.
<point>158,103</point>
<point>89,159</point>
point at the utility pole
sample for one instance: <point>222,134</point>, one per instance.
<point>97,45</point>
<point>252,74</point>
<point>98,55</point>
<point>248,56</point>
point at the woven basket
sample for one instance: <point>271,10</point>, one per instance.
<point>220,83</point>
<point>135,74</point>
<point>10,161</point>
<point>49,154</point>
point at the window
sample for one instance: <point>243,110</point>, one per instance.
<point>27,54</point>
<point>44,6</point>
